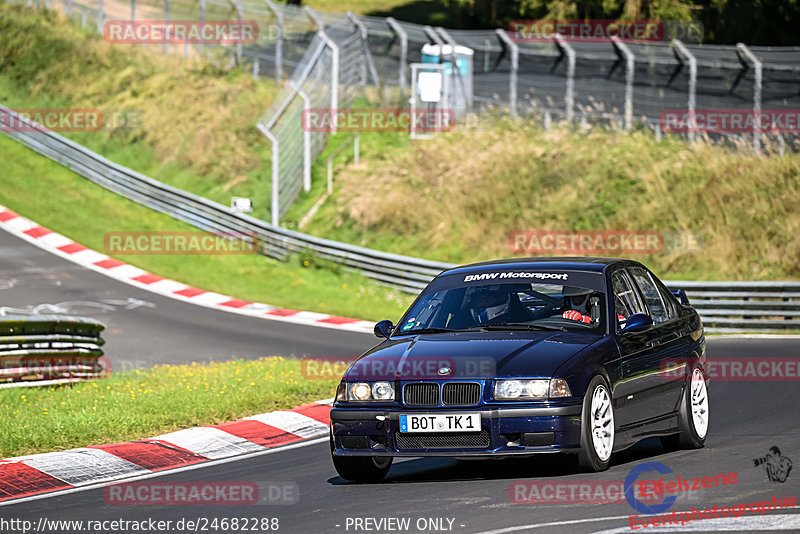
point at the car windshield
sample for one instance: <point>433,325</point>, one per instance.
<point>512,306</point>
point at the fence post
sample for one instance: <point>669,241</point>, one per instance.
<point>275,200</point>
<point>684,55</point>
<point>166,20</point>
<point>202,24</point>
<point>432,35</point>
<point>278,41</point>
<point>512,77</point>
<point>400,32</point>
<point>306,139</point>
<point>623,50</point>
<point>370,64</point>
<point>446,36</point>
<point>758,74</point>
<point>569,97</point>
<point>334,63</point>
<point>456,70</point>
<point>100,17</point>
<point>133,10</point>
<point>239,16</point>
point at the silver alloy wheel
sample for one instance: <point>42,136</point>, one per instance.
<point>699,402</point>
<point>602,423</point>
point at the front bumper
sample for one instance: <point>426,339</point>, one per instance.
<point>364,431</point>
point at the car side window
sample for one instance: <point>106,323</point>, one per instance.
<point>626,300</point>
<point>651,295</point>
<point>668,298</point>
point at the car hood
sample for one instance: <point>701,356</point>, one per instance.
<point>470,355</point>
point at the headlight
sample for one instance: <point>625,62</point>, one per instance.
<point>520,389</point>
<point>530,389</point>
<point>369,391</point>
<point>360,391</point>
<point>382,391</point>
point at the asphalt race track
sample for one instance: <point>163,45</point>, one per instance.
<point>434,494</point>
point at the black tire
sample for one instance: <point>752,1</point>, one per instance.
<point>689,436</point>
<point>361,468</point>
<point>588,457</point>
<point>671,442</point>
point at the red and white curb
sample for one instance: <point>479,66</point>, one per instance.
<point>26,476</point>
<point>63,246</point>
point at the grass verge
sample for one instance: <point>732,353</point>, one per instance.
<point>143,403</point>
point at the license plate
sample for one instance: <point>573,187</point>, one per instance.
<point>451,422</point>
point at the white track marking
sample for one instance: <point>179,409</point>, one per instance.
<point>79,467</point>
<point>88,256</point>
<point>192,467</point>
<point>292,422</point>
<point>210,442</point>
<point>55,240</point>
<point>166,286</point>
<point>126,271</point>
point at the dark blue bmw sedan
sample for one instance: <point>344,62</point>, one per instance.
<point>526,356</point>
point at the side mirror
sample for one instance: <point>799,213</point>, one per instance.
<point>681,295</point>
<point>637,322</point>
<point>383,328</point>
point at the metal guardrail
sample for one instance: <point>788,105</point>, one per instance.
<point>736,306</point>
<point>724,306</point>
<point>51,348</point>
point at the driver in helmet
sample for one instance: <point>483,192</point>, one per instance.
<point>577,299</point>
<point>489,305</point>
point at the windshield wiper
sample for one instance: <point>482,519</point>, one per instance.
<point>430,330</point>
<point>521,326</point>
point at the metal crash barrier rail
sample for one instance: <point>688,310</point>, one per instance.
<point>51,348</point>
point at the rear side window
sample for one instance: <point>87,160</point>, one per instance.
<point>668,298</point>
<point>652,297</point>
<point>626,300</point>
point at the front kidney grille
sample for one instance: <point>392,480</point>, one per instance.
<point>461,393</point>
<point>448,440</point>
<point>421,394</point>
